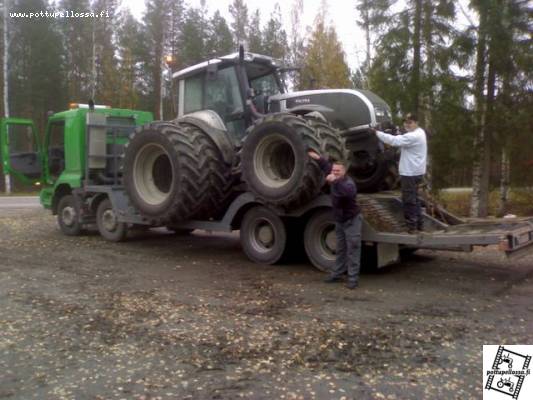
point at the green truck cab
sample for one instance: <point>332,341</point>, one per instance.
<point>58,163</point>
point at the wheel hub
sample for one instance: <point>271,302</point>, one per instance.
<point>274,161</point>
<point>263,236</point>
<point>109,220</point>
<point>68,215</point>
<point>153,174</point>
<point>331,241</point>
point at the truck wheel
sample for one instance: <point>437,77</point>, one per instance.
<point>108,224</point>
<point>174,172</point>
<point>68,214</point>
<point>320,240</point>
<point>263,236</point>
<point>275,164</point>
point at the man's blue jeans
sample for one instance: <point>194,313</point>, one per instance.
<point>348,248</point>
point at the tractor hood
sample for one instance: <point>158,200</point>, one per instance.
<point>353,109</point>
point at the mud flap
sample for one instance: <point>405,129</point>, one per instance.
<point>388,253</point>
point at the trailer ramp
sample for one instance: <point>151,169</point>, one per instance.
<point>385,224</point>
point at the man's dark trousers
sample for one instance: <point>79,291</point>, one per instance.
<point>412,210</point>
<point>348,248</point>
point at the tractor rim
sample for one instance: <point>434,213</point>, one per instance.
<point>153,174</point>
<point>274,161</point>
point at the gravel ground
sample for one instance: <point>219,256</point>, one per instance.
<point>168,317</point>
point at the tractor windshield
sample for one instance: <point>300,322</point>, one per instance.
<point>266,85</point>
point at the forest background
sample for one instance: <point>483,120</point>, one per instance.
<point>471,86</point>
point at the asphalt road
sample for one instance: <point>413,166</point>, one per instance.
<point>19,202</point>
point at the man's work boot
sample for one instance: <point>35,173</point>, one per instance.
<point>352,285</point>
<point>332,279</point>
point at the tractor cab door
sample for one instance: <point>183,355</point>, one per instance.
<point>20,149</point>
<point>217,90</point>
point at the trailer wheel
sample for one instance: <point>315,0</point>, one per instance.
<point>68,214</point>
<point>263,236</point>
<point>320,241</point>
<point>108,224</point>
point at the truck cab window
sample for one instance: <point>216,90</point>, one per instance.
<point>23,151</point>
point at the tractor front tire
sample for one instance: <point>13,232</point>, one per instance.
<point>275,164</point>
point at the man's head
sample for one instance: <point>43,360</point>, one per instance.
<point>338,169</point>
<point>410,122</point>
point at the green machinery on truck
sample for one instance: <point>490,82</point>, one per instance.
<point>235,158</point>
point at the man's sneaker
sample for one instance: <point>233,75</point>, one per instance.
<point>352,285</point>
<point>332,279</point>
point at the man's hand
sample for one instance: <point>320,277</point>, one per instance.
<point>331,178</point>
<point>313,155</point>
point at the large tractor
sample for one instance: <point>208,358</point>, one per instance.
<point>238,129</point>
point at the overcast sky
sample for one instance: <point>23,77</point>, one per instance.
<point>341,14</point>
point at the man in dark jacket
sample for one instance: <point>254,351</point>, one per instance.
<point>348,220</point>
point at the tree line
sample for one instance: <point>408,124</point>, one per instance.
<point>470,85</point>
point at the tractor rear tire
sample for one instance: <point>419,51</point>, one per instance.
<point>68,216</point>
<point>275,164</point>
<point>332,144</point>
<point>174,172</point>
<point>108,225</point>
<point>378,174</point>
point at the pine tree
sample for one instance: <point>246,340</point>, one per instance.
<point>274,36</point>
<point>130,45</point>
<point>106,79</point>
<point>239,27</point>
<point>324,60</point>
<point>194,36</point>
<point>77,39</point>
<point>219,40</point>
<point>255,35</point>
<point>156,21</point>
<point>36,70</point>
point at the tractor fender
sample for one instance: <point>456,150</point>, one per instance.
<point>211,123</point>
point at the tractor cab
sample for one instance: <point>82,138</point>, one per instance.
<point>234,87</point>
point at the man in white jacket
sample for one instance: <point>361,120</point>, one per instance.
<point>413,158</point>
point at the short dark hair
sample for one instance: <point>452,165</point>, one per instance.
<point>410,117</point>
<point>339,162</point>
